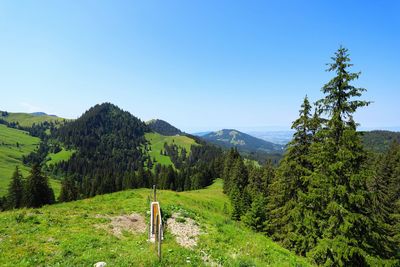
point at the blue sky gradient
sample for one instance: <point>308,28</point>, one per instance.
<point>201,65</point>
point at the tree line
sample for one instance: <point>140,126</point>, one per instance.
<point>329,198</point>
<point>199,169</point>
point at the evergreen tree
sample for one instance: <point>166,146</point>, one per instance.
<point>236,200</point>
<point>227,171</point>
<point>37,189</point>
<point>385,189</point>
<point>3,201</point>
<point>286,211</point>
<point>15,190</point>
<point>337,200</point>
<point>69,190</point>
<point>239,192</point>
<point>257,214</point>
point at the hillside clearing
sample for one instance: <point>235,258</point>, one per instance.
<point>63,155</point>
<point>157,142</point>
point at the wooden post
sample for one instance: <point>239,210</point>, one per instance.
<point>157,230</point>
<point>160,233</point>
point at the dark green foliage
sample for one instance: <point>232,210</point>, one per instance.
<point>379,141</point>
<point>237,207</point>
<point>3,201</point>
<point>38,156</point>
<point>385,187</point>
<point>230,158</point>
<point>163,127</point>
<point>257,214</point>
<point>15,190</point>
<point>286,211</point>
<point>107,140</point>
<point>69,190</point>
<point>247,187</point>
<point>37,190</point>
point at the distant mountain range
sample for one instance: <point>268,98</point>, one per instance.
<point>242,141</point>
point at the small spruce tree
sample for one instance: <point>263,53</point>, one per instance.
<point>37,189</point>
<point>69,190</point>
<point>16,190</point>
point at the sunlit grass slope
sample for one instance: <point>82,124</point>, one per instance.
<point>63,155</point>
<point>157,144</point>
<point>26,119</point>
<point>71,234</point>
<point>13,145</point>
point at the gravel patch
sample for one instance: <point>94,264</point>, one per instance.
<point>134,223</point>
<point>186,230</point>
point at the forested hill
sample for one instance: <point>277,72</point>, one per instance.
<point>107,141</point>
<point>163,127</point>
<point>108,149</point>
<point>243,142</point>
<point>106,126</point>
<point>379,141</point>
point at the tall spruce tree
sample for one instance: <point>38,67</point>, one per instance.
<point>286,211</point>
<point>230,158</point>
<point>37,189</point>
<point>16,190</point>
<point>338,216</point>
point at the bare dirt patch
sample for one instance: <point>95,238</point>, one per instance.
<point>186,230</point>
<point>134,223</point>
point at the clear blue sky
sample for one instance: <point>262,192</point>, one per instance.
<point>197,64</point>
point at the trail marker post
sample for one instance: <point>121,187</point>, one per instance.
<point>156,227</point>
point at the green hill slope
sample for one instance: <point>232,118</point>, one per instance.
<point>79,234</point>
<point>157,142</point>
<point>27,119</point>
<point>13,145</point>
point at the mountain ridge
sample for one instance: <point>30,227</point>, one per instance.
<point>244,142</point>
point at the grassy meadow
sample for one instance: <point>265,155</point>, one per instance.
<point>63,155</point>
<point>75,234</point>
